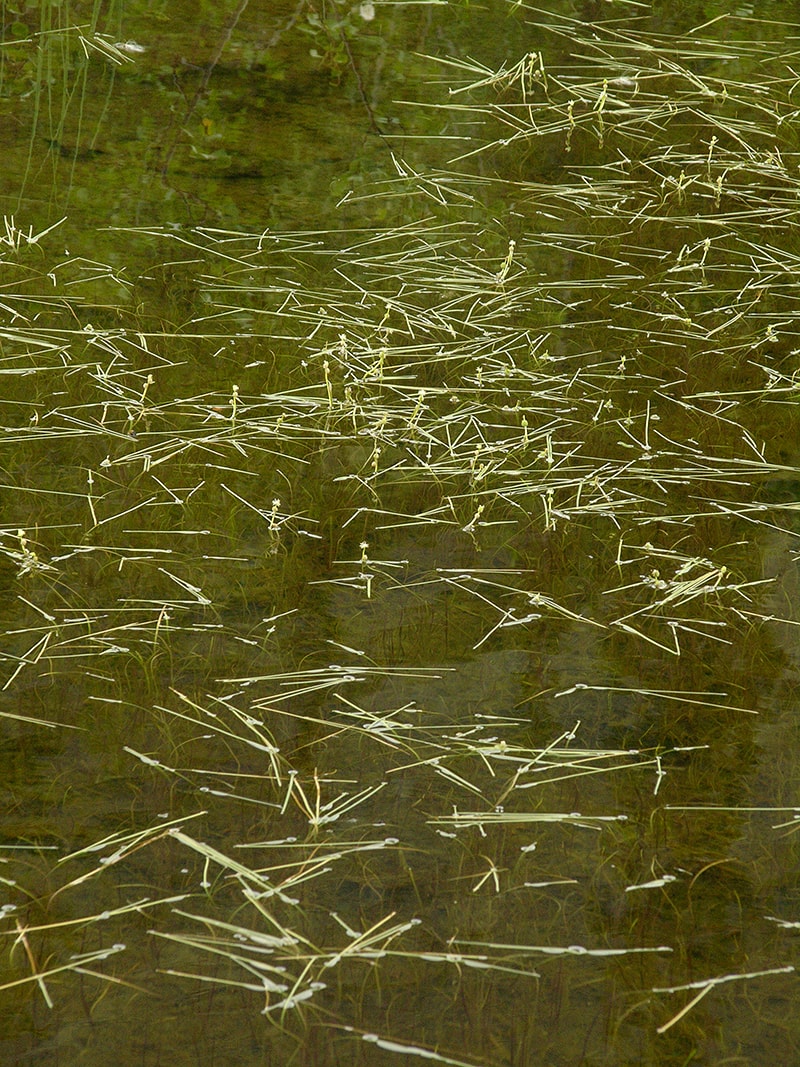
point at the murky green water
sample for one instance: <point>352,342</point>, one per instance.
<point>398,549</point>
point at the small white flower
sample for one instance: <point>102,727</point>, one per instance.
<point>133,48</point>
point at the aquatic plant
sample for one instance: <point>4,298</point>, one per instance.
<point>415,599</point>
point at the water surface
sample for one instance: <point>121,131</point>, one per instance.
<point>398,542</point>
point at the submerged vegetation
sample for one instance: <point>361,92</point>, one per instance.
<point>400,618</point>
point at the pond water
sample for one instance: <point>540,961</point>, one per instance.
<point>398,547</point>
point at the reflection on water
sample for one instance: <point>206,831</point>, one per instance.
<point>399,648</point>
